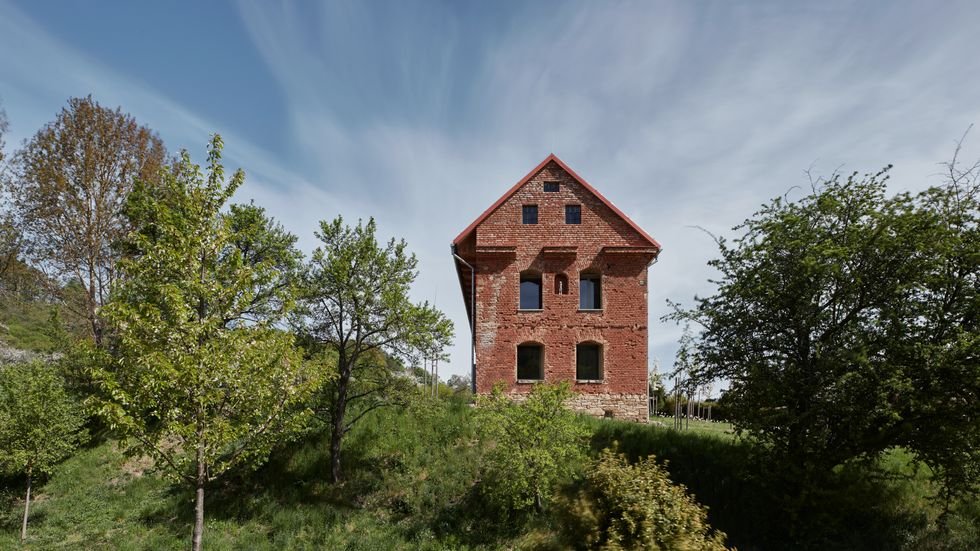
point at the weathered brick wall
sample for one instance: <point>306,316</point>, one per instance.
<point>621,326</point>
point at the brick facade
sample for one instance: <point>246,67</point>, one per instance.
<point>606,244</point>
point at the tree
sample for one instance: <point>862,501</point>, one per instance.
<point>70,184</point>
<point>794,325</point>
<point>460,384</point>
<point>533,446</point>
<point>40,424</point>
<point>846,323</point>
<point>936,332</point>
<point>357,306</point>
<point>201,377</point>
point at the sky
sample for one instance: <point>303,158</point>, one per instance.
<point>420,114</point>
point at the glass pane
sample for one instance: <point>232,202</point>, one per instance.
<point>573,214</point>
<point>531,295</point>
<point>587,362</point>
<point>530,214</point>
<point>588,289</point>
<point>551,187</point>
<point>529,362</point>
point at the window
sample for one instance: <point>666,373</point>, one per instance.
<point>530,214</point>
<point>561,284</point>
<point>530,362</point>
<point>530,291</point>
<point>573,214</point>
<point>590,292</point>
<point>551,187</point>
<point>588,362</point>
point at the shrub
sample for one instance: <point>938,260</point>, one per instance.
<point>624,506</point>
<point>531,446</point>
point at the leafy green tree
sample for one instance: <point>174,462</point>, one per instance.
<point>40,423</point>
<point>69,186</point>
<point>356,307</point>
<point>846,323</point>
<point>624,506</point>
<point>201,378</point>
<point>533,446</point>
<point>794,325</point>
<point>936,332</point>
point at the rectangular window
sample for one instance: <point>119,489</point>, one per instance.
<point>530,362</point>
<point>530,292</point>
<point>530,214</point>
<point>589,292</point>
<point>573,214</point>
<point>551,187</point>
<point>588,362</point>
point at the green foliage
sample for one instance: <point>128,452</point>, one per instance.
<point>533,446</point>
<point>356,302</point>
<point>936,332</point>
<point>636,506</point>
<point>846,324</point>
<point>200,378</point>
<point>40,424</point>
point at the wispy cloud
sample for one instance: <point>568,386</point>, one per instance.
<point>682,113</point>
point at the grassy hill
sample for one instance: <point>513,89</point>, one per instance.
<point>410,475</point>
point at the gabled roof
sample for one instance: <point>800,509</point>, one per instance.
<point>552,157</point>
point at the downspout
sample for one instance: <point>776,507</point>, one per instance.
<point>472,319</point>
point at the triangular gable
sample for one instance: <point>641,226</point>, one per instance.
<point>552,157</point>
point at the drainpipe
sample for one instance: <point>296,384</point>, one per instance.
<point>472,319</point>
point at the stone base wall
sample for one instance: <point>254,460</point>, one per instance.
<point>628,407</point>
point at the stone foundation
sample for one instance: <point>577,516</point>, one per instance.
<point>627,407</point>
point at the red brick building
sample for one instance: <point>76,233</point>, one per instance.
<point>555,283</point>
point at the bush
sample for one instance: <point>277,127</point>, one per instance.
<point>624,506</point>
<point>532,447</point>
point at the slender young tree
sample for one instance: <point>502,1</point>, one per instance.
<point>68,189</point>
<point>40,423</point>
<point>356,304</point>
<point>202,379</point>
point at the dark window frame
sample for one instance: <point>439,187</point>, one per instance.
<point>529,214</point>
<point>530,277</point>
<point>530,347</point>
<point>594,303</point>
<point>585,351</point>
<point>573,214</point>
<point>552,187</point>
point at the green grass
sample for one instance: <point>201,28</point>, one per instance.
<point>26,325</point>
<point>410,479</point>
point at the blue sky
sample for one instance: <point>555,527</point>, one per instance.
<point>422,113</point>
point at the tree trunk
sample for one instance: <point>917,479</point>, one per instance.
<point>199,504</point>
<point>27,506</point>
<point>337,431</point>
<point>93,312</point>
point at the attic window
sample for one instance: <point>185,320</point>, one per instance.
<point>551,187</point>
<point>573,214</point>
<point>530,214</point>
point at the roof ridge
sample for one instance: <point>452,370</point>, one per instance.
<point>552,157</point>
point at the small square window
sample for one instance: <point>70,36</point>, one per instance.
<point>530,214</point>
<point>573,214</point>
<point>551,187</point>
